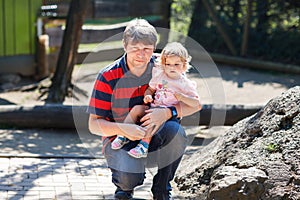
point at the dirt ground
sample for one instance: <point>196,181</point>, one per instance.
<point>235,85</point>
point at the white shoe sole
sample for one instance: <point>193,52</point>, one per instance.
<point>136,156</point>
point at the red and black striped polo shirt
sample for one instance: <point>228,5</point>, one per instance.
<point>117,90</point>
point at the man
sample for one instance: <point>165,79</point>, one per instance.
<point>119,87</point>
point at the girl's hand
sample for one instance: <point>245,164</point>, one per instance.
<point>148,99</point>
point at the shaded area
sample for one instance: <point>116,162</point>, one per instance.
<point>47,143</point>
<point>5,102</point>
<point>258,77</point>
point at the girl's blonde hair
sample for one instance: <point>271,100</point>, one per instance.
<point>176,49</point>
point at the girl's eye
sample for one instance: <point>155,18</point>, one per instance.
<point>175,65</point>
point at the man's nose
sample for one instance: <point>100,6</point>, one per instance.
<point>141,52</point>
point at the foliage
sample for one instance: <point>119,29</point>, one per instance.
<point>274,30</point>
<point>181,13</point>
<point>272,148</point>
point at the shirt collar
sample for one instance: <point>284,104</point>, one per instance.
<point>124,64</point>
<point>127,71</point>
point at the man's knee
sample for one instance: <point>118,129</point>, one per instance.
<point>127,181</point>
<point>170,130</point>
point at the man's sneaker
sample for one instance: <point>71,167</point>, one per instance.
<point>123,195</point>
<point>119,142</point>
<point>140,151</point>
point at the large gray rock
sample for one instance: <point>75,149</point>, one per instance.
<point>258,158</point>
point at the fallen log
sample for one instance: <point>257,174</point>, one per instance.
<point>67,116</point>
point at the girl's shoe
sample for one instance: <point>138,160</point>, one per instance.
<point>140,151</point>
<point>119,142</point>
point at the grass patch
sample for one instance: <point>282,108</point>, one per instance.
<point>273,148</point>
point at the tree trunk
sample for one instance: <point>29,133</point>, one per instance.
<point>198,19</point>
<point>67,56</point>
<point>212,13</point>
<point>262,18</point>
<point>164,36</point>
<point>244,46</point>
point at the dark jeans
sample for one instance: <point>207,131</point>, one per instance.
<point>165,152</point>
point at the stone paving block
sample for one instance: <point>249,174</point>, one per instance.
<point>33,175</point>
<point>43,188</point>
<point>30,197</point>
<point>3,194</point>
<point>15,197</point>
<point>87,197</point>
<point>10,188</point>
<point>31,193</point>
<point>109,196</point>
<point>63,197</point>
<point>58,178</point>
<point>143,195</point>
<point>54,184</point>
<point>62,189</point>
<point>47,194</point>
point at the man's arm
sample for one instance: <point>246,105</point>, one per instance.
<point>102,127</point>
<point>189,100</point>
<point>184,110</point>
<point>155,117</point>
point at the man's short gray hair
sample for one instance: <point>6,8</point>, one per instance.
<point>140,31</point>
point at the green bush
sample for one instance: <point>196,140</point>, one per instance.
<point>274,31</point>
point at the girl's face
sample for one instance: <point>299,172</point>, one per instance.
<point>174,67</point>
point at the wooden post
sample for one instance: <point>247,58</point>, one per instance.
<point>42,57</point>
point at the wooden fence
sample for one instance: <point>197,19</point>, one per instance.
<point>17,26</point>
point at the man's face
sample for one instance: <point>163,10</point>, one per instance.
<point>138,54</point>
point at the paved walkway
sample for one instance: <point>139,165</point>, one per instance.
<point>60,178</point>
<point>56,165</point>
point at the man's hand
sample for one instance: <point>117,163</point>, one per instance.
<point>133,131</point>
<point>154,118</point>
